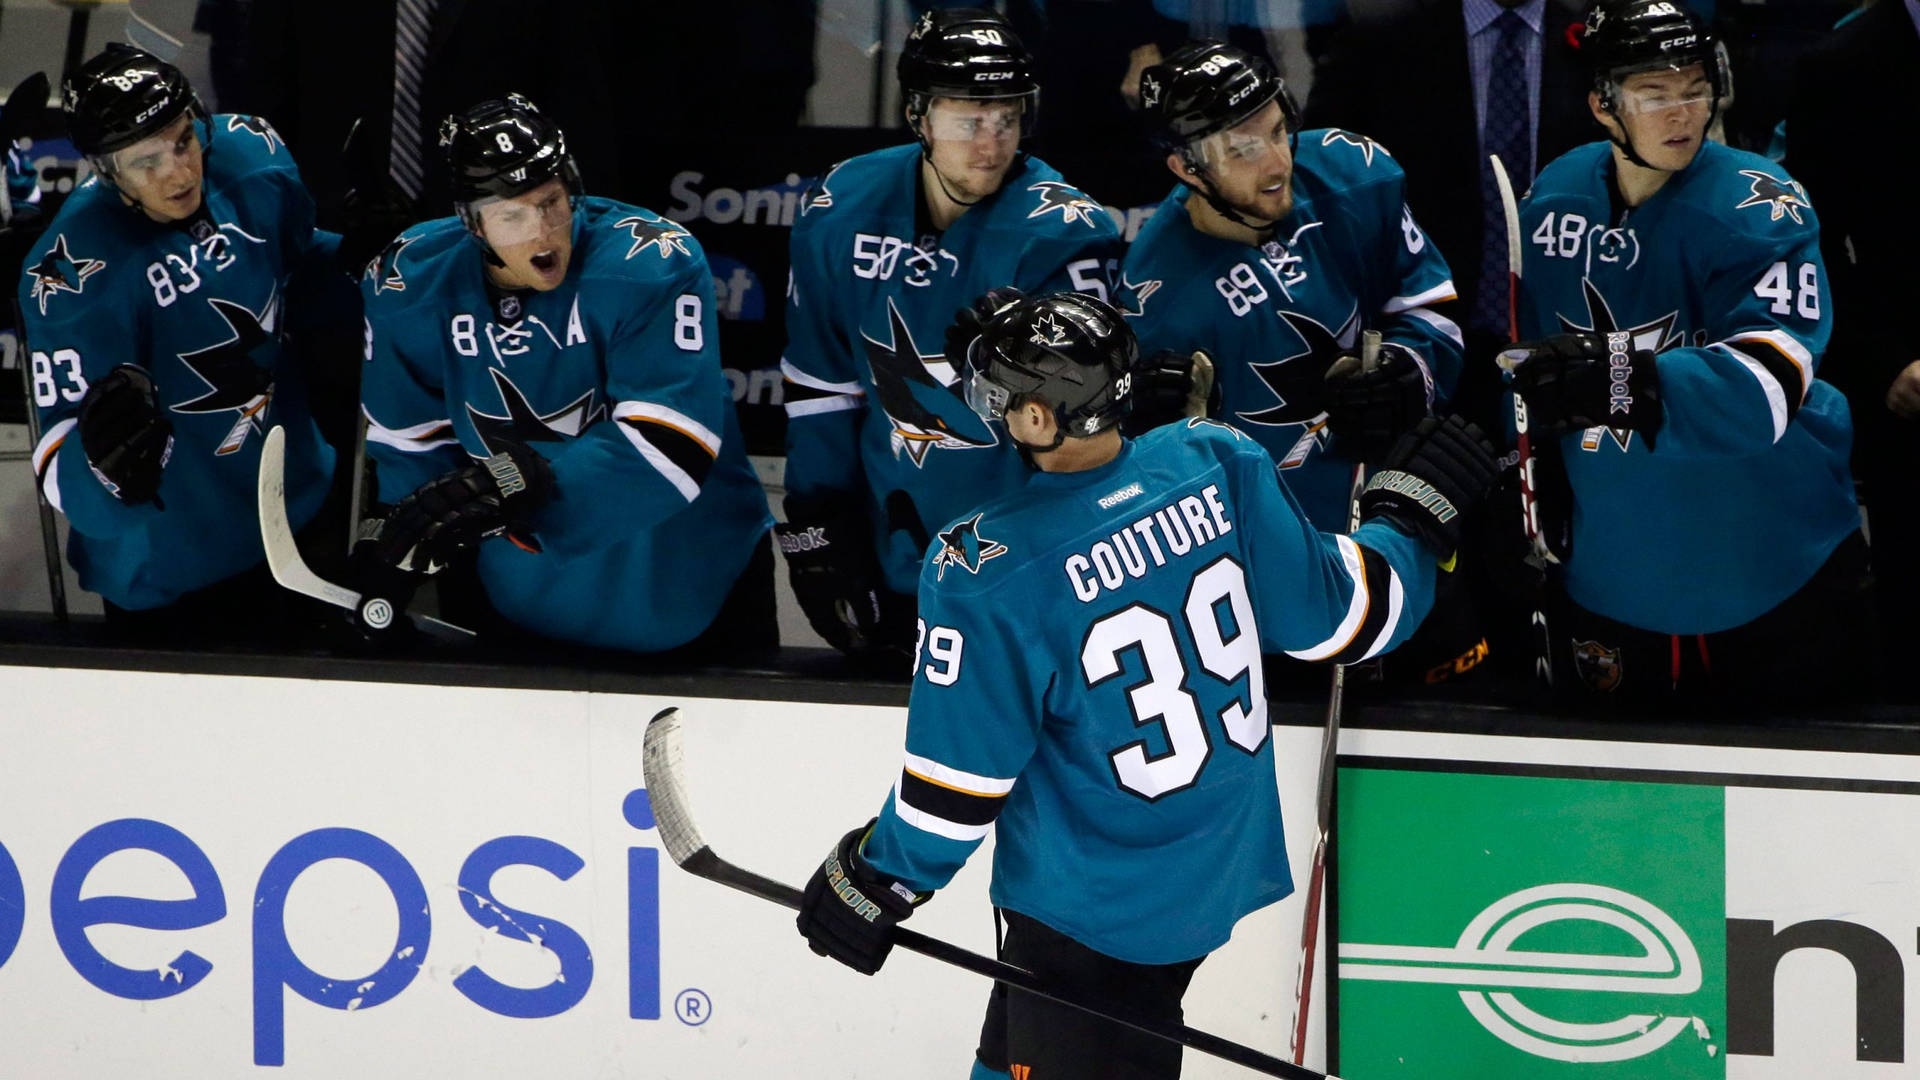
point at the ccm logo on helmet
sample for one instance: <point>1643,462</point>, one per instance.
<point>993,76</point>
<point>1687,39</point>
<point>1234,99</point>
<point>151,109</point>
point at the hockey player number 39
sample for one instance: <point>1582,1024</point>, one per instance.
<point>1162,696</point>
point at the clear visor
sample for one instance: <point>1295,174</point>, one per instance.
<point>526,218</point>
<point>1645,101</point>
<point>156,155</point>
<point>1236,145</point>
<point>988,399</point>
<point>969,119</point>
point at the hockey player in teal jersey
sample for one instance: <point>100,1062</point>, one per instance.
<point>1088,686</point>
<point>1274,252</point>
<point>1680,306</point>
<point>543,368</point>
<point>888,246</point>
<point>154,310</point>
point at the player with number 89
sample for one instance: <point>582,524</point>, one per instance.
<point>1676,295</point>
<point>543,390</point>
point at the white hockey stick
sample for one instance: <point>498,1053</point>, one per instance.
<point>1323,791</point>
<point>666,790</point>
<point>291,570</point>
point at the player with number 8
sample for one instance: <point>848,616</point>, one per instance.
<point>545,403</point>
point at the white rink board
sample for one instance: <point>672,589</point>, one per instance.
<point>243,766</point>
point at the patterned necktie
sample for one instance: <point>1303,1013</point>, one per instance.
<point>1504,133</point>
<point>412,28</point>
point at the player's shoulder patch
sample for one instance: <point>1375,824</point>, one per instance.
<point>61,268</point>
<point>406,257</point>
<point>646,231</point>
<point>1776,196</point>
<point>256,126</point>
<point>1045,198</point>
<point>1361,148</point>
<point>965,545</point>
<point>819,194</point>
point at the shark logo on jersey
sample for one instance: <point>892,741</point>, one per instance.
<point>819,197</point>
<point>1048,331</point>
<point>1296,384</point>
<point>964,547</point>
<point>657,233</point>
<point>61,272</point>
<point>1140,292</point>
<point>1653,336</point>
<point>901,373</point>
<point>1072,205</point>
<point>1367,146</point>
<point>384,270</point>
<point>235,383</point>
<point>1149,92</point>
<point>254,125</point>
<point>522,424</point>
<point>1781,198</point>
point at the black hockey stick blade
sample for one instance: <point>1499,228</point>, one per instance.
<point>673,816</point>
<point>290,569</point>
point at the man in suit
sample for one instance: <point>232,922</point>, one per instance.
<point>1436,82</point>
<point>1853,100</point>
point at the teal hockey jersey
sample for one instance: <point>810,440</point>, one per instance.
<point>1088,685</point>
<point>1746,490</point>
<point>614,377</point>
<point>201,304</point>
<point>873,405</point>
<point>1348,258</point>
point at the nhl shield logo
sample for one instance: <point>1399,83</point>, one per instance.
<point>1598,665</point>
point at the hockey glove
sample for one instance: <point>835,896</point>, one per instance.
<point>126,435</point>
<point>835,574</point>
<point>1368,410</point>
<point>848,911</point>
<point>1576,381</point>
<point>1169,386</point>
<point>470,504</point>
<point>1431,479</point>
<point>967,321</point>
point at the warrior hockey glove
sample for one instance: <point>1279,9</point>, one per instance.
<point>468,505</point>
<point>126,435</point>
<point>1430,480</point>
<point>836,576</point>
<point>967,321</point>
<point>1369,409</point>
<point>848,911</point>
<point>1571,382</point>
<point>1169,386</point>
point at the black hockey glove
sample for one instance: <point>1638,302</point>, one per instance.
<point>967,321</point>
<point>470,504</point>
<point>126,434</point>
<point>836,575</point>
<point>1431,479</point>
<point>1571,382</point>
<point>1169,386</point>
<point>848,911</point>
<point>1368,410</point>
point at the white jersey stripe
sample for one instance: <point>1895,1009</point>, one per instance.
<point>1442,291</point>
<point>1439,322</point>
<point>674,474</point>
<point>46,460</point>
<point>948,776</point>
<point>933,823</point>
<point>1776,394</point>
<point>679,421</point>
<point>816,406</point>
<point>1342,635</point>
<point>1789,346</point>
<point>794,374</point>
<point>417,439</point>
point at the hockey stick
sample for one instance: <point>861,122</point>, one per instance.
<point>673,816</point>
<point>291,570</point>
<point>49,529</point>
<point>1529,491</point>
<point>1323,789</point>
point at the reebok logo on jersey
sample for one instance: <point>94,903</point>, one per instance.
<point>1108,502</point>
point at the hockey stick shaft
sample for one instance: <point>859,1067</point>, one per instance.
<point>1323,786</point>
<point>49,528</point>
<point>1529,492</point>
<point>673,816</point>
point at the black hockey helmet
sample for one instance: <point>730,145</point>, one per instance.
<point>1626,37</point>
<point>120,97</point>
<point>502,148</point>
<point>1069,351</point>
<point>1207,87</point>
<point>966,53</point>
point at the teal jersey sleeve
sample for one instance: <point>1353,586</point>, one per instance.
<point>410,434</point>
<point>668,402</point>
<point>825,399</point>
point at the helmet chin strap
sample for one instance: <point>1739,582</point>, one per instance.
<point>1207,191</point>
